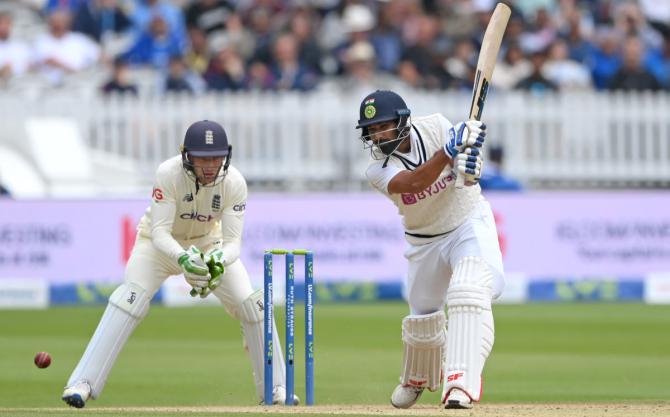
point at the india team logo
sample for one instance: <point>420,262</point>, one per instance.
<point>370,111</point>
<point>209,137</point>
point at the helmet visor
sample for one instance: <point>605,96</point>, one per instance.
<point>208,154</point>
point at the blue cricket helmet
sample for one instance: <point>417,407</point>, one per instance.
<point>205,139</point>
<point>381,106</point>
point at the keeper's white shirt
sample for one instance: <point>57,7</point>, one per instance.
<point>179,213</point>
<point>441,207</point>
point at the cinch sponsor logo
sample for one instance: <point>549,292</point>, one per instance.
<point>240,207</point>
<point>435,188</point>
<point>196,216</point>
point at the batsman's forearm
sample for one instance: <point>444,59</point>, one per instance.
<point>421,178</point>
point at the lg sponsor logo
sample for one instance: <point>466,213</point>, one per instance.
<point>157,194</point>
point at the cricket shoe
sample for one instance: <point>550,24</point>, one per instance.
<point>279,396</point>
<point>405,396</point>
<point>77,394</point>
<point>457,399</point>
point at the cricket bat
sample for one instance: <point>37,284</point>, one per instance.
<point>488,54</point>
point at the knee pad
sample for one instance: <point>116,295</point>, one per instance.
<point>132,299</point>
<point>251,319</point>
<point>424,338</point>
<point>127,306</point>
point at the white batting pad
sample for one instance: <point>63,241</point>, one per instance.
<point>470,336</point>
<point>127,306</point>
<point>252,328</point>
<point>424,338</point>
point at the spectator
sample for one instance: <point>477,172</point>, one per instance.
<point>14,54</point>
<point>154,47</point>
<point>226,71</point>
<point>197,56</point>
<point>658,62</point>
<point>513,68</point>
<point>580,47</point>
<point>632,75</point>
<point>606,58</point>
<point>61,51</point>
<point>208,16</point>
<point>260,21</point>
<point>180,79</point>
<point>361,74</point>
<point>358,21</point>
<point>288,71</point>
<point>301,26</point>
<point>146,12</point>
<point>259,76</point>
<point>493,177</point>
<point>4,193</point>
<point>70,6</point>
<point>237,36</point>
<point>120,81</point>
<point>458,66</point>
<point>542,33</point>
<point>427,50</point>
<point>99,18</point>
<point>387,37</point>
<point>536,82</point>
<point>566,73</point>
<point>630,22</point>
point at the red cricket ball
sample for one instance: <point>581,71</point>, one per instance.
<point>42,360</point>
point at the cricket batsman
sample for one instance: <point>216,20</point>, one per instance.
<point>454,257</point>
<point>193,227</point>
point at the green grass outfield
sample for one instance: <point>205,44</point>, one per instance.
<point>193,357</point>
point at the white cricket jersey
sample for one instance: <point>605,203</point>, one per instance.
<point>438,209</point>
<point>179,213</point>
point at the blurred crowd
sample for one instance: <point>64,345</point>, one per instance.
<point>195,46</point>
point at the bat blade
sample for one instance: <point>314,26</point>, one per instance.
<point>488,55</point>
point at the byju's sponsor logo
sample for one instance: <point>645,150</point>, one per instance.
<point>434,189</point>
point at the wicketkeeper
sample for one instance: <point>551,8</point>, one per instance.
<point>194,228</point>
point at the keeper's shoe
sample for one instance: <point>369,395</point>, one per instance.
<point>77,394</point>
<point>457,399</point>
<point>279,396</point>
<point>405,396</point>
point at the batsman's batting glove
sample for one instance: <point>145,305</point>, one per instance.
<point>465,135</point>
<point>194,268</point>
<point>470,163</point>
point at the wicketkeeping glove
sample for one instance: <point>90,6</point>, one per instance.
<point>195,269</point>
<point>214,261</point>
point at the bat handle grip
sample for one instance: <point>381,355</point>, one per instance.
<point>460,180</point>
